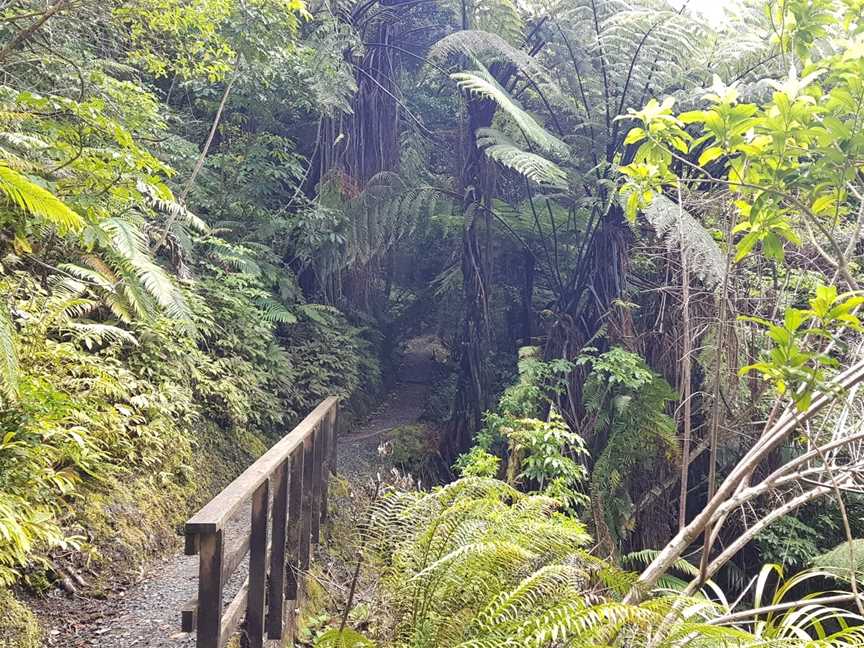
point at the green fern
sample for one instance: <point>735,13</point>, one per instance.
<point>476,564</point>
<point>628,401</point>
<point>8,355</point>
<point>500,148</point>
<point>480,83</point>
<point>32,199</point>
<point>274,311</point>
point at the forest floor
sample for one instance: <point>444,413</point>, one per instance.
<point>146,613</point>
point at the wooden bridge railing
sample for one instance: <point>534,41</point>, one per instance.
<point>291,478</point>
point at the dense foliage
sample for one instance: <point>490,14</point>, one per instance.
<point>636,234</point>
<point>145,336</point>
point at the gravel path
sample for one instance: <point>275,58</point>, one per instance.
<point>147,613</point>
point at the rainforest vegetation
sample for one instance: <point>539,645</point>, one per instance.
<point>635,234</point>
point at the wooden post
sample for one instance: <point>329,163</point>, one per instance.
<point>258,566</point>
<point>210,586</point>
<point>295,528</point>
<point>303,547</point>
<point>279,534</point>
<point>317,477</point>
<point>334,451</point>
<point>292,571</point>
<point>326,440</point>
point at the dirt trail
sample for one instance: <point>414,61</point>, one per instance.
<point>403,405</point>
<point>147,613</point>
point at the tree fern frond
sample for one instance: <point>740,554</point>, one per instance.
<point>232,256</point>
<point>32,199</point>
<point>482,84</point>
<point>679,228</point>
<point>488,48</point>
<point>127,238</point>
<point>163,202</point>
<point>97,278</point>
<point>159,285</point>
<point>498,147</point>
<point>94,334</point>
<point>645,556</point>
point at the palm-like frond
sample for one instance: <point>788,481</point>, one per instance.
<point>92,334</point>
<point>163,202</point>
<point>274,311</point>
<point>680,229</point>
<point>32,199</point>
<point>480,83</point>
<point>488,48</point>
<point>500,148</point>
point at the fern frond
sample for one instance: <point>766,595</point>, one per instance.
<point>680,229</point>
<point>163,202</point>
<point>232,256</point>
<point>32,199</point>
<point>93,334</point>
<point>137,267</point>
<point>498,147</point>
<point>489,48</point>
<point>481,83</point>
<point>274,311</point>
<point>8,355</point>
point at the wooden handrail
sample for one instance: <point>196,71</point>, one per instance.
<point>288,490</point>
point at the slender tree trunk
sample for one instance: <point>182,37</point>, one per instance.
<point>527,332</point>
<point>199,163</point>
<point>686,382</point>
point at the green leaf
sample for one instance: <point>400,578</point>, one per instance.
<point>635,135</point>
<point>709,155</point>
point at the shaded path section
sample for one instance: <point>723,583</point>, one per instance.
<point>358,452</point>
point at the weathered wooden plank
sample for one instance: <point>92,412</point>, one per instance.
<point>295,509</point>
<point>210,590</point>
<point>217,511</point>
<point>303,546</point>
<point>329,469</point>
<point>190,544</point>
<point>317,478</point>
<point>325,468</point>
<point>278,535</point>
<point>230,621</point>
<point>334,447</point>
<point>258,566</point>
